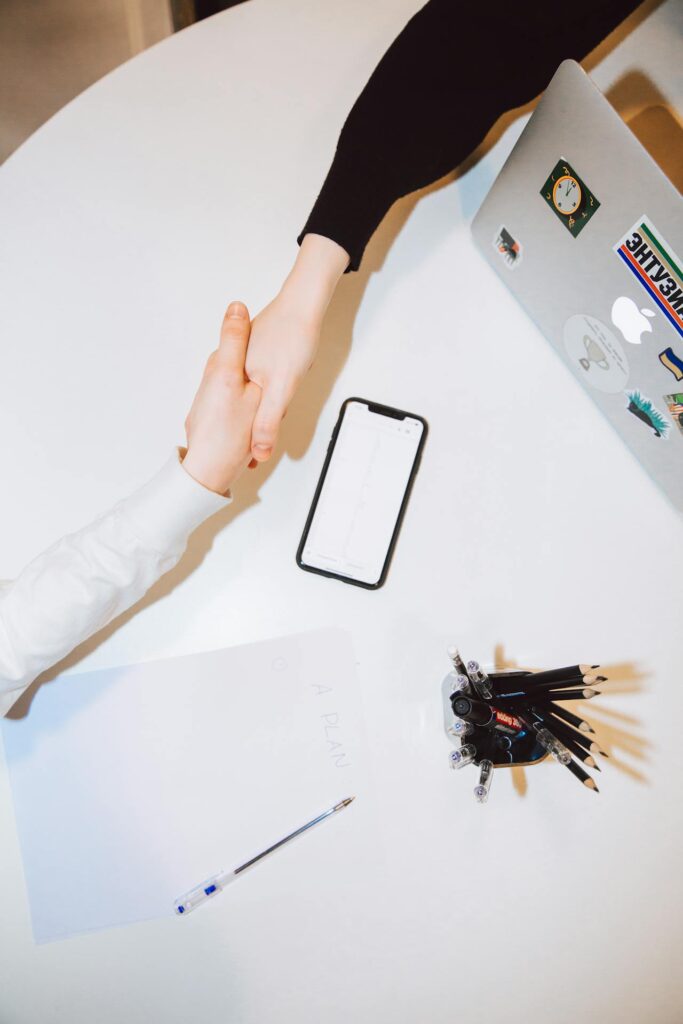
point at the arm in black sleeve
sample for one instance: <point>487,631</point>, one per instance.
<point>435,94</point>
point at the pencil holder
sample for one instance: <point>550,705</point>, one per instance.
<point>502,719</point>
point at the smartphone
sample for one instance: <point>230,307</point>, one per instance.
<point>362,493</point>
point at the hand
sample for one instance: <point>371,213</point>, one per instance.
<point>219,424</point>
<point>282,347</point>
<point>285,335</point>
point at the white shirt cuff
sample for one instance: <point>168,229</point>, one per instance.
<point>165,511</point>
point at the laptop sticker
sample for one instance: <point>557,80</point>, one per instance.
<point>508,247</point>
<point>643,408</point>
<point>569,197</point>
<point>630,320</point>
<point>653,263</point>
<point>669,359</point>
<point>674,404</point>
<point>596,353</point>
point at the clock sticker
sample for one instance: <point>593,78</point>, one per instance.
<point>569,197</point>
<point>566,194</point>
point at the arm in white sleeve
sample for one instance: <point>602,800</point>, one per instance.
<point>88,578</point>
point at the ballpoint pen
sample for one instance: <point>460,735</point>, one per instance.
<point>212,886</point>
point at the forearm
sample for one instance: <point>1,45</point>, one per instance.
<point>88,578</point>
<point>311,282</point>
<point>435,94</point>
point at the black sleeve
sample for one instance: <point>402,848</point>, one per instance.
<point>435,94</point>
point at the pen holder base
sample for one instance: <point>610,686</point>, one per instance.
<point>506,751</point>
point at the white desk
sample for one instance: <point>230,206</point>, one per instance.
<point>175,184</point>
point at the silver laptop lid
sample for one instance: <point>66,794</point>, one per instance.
<point>584,228</point>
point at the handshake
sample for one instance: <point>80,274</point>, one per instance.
<point>220,423</point>
<point>251,378</point>
<point>235,415</point>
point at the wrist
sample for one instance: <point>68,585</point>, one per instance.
<point>310,284</point>
<point>204,473</point>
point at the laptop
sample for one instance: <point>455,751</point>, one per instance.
<point>587,232</point>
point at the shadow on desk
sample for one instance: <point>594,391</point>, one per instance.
<point>634,97</point>
<point>616,732</point>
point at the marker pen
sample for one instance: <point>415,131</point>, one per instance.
<point>479,713</point>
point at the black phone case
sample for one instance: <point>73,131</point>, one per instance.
<point>385,410</point>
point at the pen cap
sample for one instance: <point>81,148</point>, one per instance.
<point>454,682</point>
<point>201,893</point>
<point>460,728</point>
<point>466,754</point>
<point>553,745</point>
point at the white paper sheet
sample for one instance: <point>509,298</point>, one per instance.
<point>132,785</point>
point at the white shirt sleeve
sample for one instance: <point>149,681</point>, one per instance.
<point>88,578</point>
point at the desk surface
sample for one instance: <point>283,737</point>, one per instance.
<point>174,185</point>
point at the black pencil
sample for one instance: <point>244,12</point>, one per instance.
<point>550,695</point>
<point>585,694</point>
<point>579,752</point>
<point>547,712</point>
<point>573,719</point>
<point>555,674</point>
<point>580,737</point>
<point>524,687</point>
<point>583,776</point>
<point>557,684</point>
<point>512,674</point>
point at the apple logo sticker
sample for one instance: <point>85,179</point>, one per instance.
<point>630,320</point>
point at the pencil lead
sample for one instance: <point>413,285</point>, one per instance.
<point>601,679</point>
<point>588,693</point>
<point>595,666</point>
<point>585,727</point>
<point>591,785</point>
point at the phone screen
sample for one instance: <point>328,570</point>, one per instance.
<point>361,493</point>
